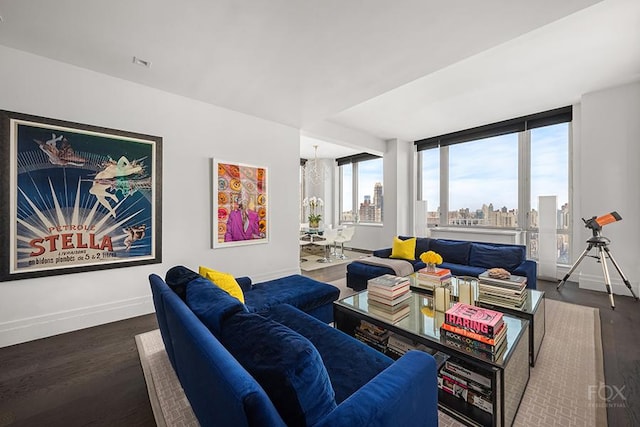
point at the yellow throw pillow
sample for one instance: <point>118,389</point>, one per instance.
<point>404,249</point>
<point>224,281</point>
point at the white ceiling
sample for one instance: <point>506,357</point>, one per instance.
<point>407,69</point>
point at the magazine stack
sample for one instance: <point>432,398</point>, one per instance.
<point>389,297</point>
<point>399,345</point>
<point>474,330</point>
<point>465,383</point>
<point>498,287</point>
<point>429,280</point>
<point>372,335</point>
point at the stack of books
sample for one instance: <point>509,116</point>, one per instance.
<point>430,279</point>
<point>388,297</point>
<point>504,291</point>
<point>399,345</point>
<point>474,330</point>
<point>372,335</point>
<point>467,384</point>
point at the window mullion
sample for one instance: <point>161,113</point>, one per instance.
<point>444,186</point>
<point>524,181</point>
<point>354,191</point>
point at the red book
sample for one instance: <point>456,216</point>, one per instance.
<point>472,335</point>
<point>475,319</point>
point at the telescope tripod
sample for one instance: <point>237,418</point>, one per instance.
<point>602,245</point>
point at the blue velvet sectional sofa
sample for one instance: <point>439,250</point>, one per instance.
<point>463,258</point>
<point>275,365</point>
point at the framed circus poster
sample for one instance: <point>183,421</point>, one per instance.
<point>240,204</point>
<point>76,197</point>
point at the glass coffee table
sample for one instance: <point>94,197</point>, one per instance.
<point>507,375</point>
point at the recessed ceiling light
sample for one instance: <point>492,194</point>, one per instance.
<point>141,62</point>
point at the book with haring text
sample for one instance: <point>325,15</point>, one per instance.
<point>479,320</point>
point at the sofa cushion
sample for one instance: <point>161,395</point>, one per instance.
<point>285,364</point>
<point>347,374</point>
<point>245,283</point>
<point>463,270</point>
<point>451,251</point>
<point>403,249</point>
<point>224,281</point>
<point>299,291</point>
<point>490,256</point>
<point>177,279</point>
<point>422,245</point>
<point>211,304</point>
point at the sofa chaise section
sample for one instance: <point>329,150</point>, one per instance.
<point>309,295</point>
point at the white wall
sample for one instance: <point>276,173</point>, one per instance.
<point>325,190</point>
<point>192,132</point>
<point>606,160</point>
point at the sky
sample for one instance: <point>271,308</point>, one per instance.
<point>486,171</point>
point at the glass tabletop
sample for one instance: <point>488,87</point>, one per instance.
<point>425,322</point>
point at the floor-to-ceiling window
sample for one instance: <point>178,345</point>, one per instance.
<point>430,184</point>
<point>492,176</point>
<point>483,182</point>
<point>361,193</point>
<point>347,213</point>
<point>550,176</point>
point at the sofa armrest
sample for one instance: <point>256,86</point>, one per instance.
<point>400,395</point>
<point>382,253</point>
<point>245,283</point>
<point>529,269</point>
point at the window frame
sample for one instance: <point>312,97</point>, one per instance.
<point>355,161</point>
<point>522,127</point>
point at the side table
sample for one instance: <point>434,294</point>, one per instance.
<point>533,310</point>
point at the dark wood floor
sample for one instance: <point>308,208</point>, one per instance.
<point>88,377</point>
<point>93,376</point>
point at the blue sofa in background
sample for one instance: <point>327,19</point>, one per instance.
<point>280,366</point>
<point>463,258</point>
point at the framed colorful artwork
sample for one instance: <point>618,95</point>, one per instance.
<point>77,197</point>
<point>240,204</point>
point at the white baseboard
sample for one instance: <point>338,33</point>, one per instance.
<point>28,329</point>
<point>594,282</point>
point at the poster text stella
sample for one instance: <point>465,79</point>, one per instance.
<point>66,241</point>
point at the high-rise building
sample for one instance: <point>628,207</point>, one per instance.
<point>377,195</point>
<point>371,211</point>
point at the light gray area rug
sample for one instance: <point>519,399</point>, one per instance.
<point>344,290</point>
<point>562,390</point>
<point>563,386</point>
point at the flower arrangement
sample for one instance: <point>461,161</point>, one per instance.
<point>431,257</point>
<point>313,203</point>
